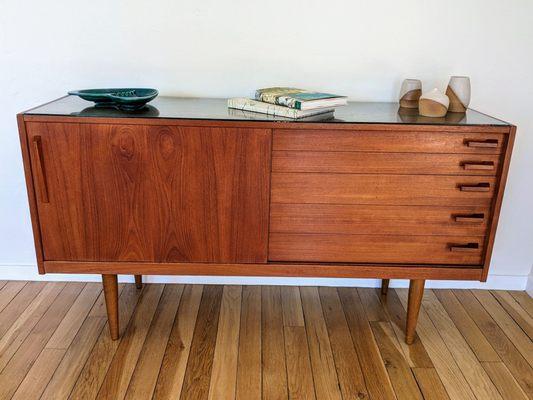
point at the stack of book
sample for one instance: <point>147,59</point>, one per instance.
<point>290,103</point>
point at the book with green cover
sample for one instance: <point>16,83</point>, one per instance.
<point>298,98</point>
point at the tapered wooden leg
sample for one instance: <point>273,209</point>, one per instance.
<point>384,286</point>
<point>110,283</point>
<point>139,281</point>
<point>416,292</point>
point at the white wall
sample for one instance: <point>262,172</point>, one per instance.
<point>213,48</point>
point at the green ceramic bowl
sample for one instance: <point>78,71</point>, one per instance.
<point>128,99</point>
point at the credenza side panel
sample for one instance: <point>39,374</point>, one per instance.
<point>151,193</point>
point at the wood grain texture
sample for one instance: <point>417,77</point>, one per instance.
<point>198,372</point>
<point>347,361</point>
<point>224,371</point>
<point>20,363</point>
<point>17,303</point>
<point>8,292</point>
<point>344,162</point>
<point>377,380</point>
<point>505,348</point>
<point>101,356</point>
<point>249,367</point>
<point>338,270</point>
<point>144,378</point>
<point>154,193</point>
<point>400,374</point>
<point>419,190</point>
<point>122,366</point>
<point>430,384</point>
<point>440,352</point>
<point>416,140</point>
<point>324,372</point>
<point>377,219</point>
<point>515,310</point>
<point>477,378</point>
<point>449,372</point>
<point>373,248</point>
<point>468,328</point>
<point>174,363</point>
<point>274,367</point>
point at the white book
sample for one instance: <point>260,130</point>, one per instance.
<point>244,104</point>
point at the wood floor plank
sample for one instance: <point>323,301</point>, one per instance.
<point>377,380</point>
<point>273,345</point>
<point>523,299</point>
<point>515,310</point>
<point>403,381</point>
<point>292,306</point>
<point>60,340</point>
<point>69,326</point>
<point>2,284</point>
<point>22,361</point>
<point>468,328</point>
<point>322,362</point>
<point>299,375</point>
<point>101,355</point>
<point>430,384</point>
<point>415,353</point>
<point>39,375</point>
<point>224,371</point>
<point>198,372</point>
<point>8,291</point>
<point>18,304</point>
<point>372,305</point>
<point>249,379</point>
<point>506,323</point>
<point>504,381</point>
<point>65,375</point>
<point>513,359</point>
<point>351,379</point>
<point>22,327</point>
<point>121,369</point>
<point>474,373</point>
<point>170,380</point>
<point>455,383</point>
<point>143,381</point>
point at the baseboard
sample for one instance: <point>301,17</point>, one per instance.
<point>29,273</point>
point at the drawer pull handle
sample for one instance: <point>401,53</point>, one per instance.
<point>480,187</point>
<point>41,175</point>
<point>470,218</point>
<point>464,248</point>
<point>479,165</point>
<point>488,143</point>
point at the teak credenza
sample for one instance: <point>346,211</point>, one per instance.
<point>188,187</point>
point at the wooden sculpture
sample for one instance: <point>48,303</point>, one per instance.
<point>433,104</point>
<point>458,91</point>
<point>410,93</point>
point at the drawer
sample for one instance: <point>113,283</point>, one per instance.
<point>435,190</point>
<point>384,163</point>
<point>450,250</point>
<point>375,219</point>
<point>388,141</point>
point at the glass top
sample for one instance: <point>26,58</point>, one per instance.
<point>216,109</point>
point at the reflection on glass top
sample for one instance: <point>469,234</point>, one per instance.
<point>216,109</point>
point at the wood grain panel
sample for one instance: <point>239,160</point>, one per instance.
<point>344,162</point>
<point>443,190</point>
<point>384,141</point>
<point>373,248</point>
<point>377,219</point>
<point>134,193</point>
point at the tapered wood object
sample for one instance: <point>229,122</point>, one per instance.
<point>384,286</point>
<point>458,91</point>
<point>138,281</point>
<point>110,283</point>
<point>416,292</point>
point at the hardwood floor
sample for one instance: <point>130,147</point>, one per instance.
<point>251,342</point>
